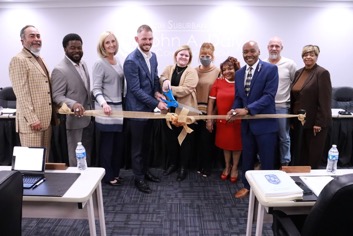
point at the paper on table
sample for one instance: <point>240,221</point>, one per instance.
<point>334,112</point>
<point>316,183</point>
<point>8,110</point>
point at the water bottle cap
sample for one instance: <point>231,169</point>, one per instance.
<point>79,143</point>
<point>334,145</point>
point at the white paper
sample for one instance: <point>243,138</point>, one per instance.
<point>316,183</point>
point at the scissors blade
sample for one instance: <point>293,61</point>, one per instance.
<point>194,110</point>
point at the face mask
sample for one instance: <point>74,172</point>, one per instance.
<point>205,61</point>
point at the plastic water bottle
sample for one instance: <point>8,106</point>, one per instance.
<point>81,156</point>
<point>332,159</point>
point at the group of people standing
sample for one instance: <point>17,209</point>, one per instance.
<point>259,87</point>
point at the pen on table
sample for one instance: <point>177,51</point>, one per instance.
<point>37,184</point>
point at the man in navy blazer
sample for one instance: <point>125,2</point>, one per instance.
<point>259,136</point>
<point>140,69</point>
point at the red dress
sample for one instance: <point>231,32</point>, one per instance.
<point>228,135</point>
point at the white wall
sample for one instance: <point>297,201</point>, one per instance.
<point>227,26</point>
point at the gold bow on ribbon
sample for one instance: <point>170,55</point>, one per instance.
<point>180,120</point>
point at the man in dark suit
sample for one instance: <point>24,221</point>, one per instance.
<point>256,86</point>
<point>140,69</point>
<point>71,85</point>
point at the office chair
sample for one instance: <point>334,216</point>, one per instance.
<point>11,193</point>
<point>7,97</point>
<point>342,97</point>
<point>331,214</point>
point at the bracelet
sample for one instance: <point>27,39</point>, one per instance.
<point>164,80</point>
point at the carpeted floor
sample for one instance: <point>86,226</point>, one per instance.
<point>195,206</point>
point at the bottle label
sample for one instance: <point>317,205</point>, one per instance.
<point>80,155</point>
<point>333,156</point>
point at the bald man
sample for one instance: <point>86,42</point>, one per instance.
<point>256,86</point>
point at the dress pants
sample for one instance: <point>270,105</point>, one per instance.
<point>74,136</point>
<point>111,153</point>
<point>179,155</point>
<point>140,134</point>
<point>207,152</point>
<point>265,145</point>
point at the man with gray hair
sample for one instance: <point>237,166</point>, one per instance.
<point>286,70</point>
<point>31,84</point>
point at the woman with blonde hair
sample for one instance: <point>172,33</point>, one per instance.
<point>182,79</point>
<point>108,89</point>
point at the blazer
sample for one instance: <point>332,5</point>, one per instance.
<point>185,93</point>
<point>261,98</point>
<point>141,83</point>
<point>68,87</point>
<point>31,86</point>
<point>314,97</point>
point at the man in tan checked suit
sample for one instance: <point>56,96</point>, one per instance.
<point>31,83</point>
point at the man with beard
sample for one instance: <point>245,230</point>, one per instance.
<point>71,85</point>
<point>31,84</point>
<point>140,70</point>
<point>286,70</point>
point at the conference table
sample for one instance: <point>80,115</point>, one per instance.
<point>82,200</point>
<point>290,206</point>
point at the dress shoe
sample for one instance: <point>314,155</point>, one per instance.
<point>181,175</point>
<point>121,179</point>
<point>242,193</point>
<point>233,178</point>
<point>170,170</point>
<point>205,173</point>
<point>224,174</point>
<point>150,177</point>
<point>257,166</point>
<point>115,182</point>
<point>142,186</point>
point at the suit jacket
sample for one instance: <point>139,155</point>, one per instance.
<point>31,86</point>
<point>141,83</point>
<point>261,98</point>
<point>185,93</point>
<point>68,87</point>
<point>314,97</point>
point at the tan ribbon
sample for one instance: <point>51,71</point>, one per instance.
<point>181,119</point>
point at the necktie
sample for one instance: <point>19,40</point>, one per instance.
<point>248,81</point>
<point>81,71</point>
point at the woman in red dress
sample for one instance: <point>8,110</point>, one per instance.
<point>228,135</point>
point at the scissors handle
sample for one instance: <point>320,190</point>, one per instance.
<point>170,101</point>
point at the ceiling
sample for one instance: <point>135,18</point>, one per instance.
<point>96,3</point>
